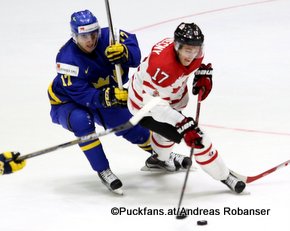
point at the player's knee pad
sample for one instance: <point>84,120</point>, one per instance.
<point>81,122</point>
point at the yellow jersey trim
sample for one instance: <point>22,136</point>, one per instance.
<point>55,99</point>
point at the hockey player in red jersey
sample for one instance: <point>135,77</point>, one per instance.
<point>165,73</point>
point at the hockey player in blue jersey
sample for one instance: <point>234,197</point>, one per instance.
<point>85,91</point>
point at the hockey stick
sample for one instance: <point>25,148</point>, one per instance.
<point>131,123</point>
<point>249,179</point>
<point>113,39</point>
<point>181,215</point>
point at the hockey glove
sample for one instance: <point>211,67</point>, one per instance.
<point>117,53</point>
<point>203,80</point>
<point>191,133</point>
<point>9,163</point>
<point>114,97</point>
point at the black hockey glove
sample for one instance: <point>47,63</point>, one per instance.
<point>114,97</point>
<point>202,80</point>
<point>191,133</point>
<point>9,163</point>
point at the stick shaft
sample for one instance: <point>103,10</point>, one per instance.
<point>73,142</point>
<point>113,40</point>
<point>110,22</point>
<point>132,122</point>
<point>191,151</point>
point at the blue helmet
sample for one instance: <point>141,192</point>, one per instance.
<point>83,22</point>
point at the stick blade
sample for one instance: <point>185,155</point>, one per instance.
<point>181,216</point>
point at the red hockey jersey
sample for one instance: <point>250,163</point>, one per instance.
<point>161,74</point>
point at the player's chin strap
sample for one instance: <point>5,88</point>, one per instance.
<point>131,123</point>
<point>114,39</point>
<point>180,213</point>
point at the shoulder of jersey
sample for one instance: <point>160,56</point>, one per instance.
<point>104,33</point>
<point>68,61</point>
<point>162,63</point>
<point>103,40</point>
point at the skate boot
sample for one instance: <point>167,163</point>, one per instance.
<point>154,163</point>
<point>111,181</point>
<point>182,161</point>
<point>174,163</point>
<point>234,183</point>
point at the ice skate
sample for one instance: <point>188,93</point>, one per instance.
<point>111,181</point>
<point>183,161</point>
<point>234,183</point>
<point>173,164</point>
<point>154,163</point>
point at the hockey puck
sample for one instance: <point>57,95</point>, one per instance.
<point>202,222</point>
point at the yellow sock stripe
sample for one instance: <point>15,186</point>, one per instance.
<point>53,96</point>
<point>91,145</point>
<point>149,148</point>
<point>147,142</point>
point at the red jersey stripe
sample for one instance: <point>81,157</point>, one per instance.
<point>135,92</point>
<point>134,104</point>
<point>145,83</point>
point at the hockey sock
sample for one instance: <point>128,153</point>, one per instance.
<point>95,155</point>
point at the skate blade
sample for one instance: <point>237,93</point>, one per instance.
<point>161,170</point>
<point>245,192</point>
<point>118,191</point>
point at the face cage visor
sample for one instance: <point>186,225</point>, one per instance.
<point>192,51</point>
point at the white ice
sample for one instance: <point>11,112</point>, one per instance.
<point>246,115</point>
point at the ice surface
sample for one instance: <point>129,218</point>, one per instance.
<point>248,44</point>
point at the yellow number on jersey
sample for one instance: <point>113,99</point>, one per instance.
<point>66,80</point>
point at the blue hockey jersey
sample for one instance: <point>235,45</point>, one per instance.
<point>81,76</point>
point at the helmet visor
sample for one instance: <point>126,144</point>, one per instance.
<point>88,36</point>
<point>192,52</point>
